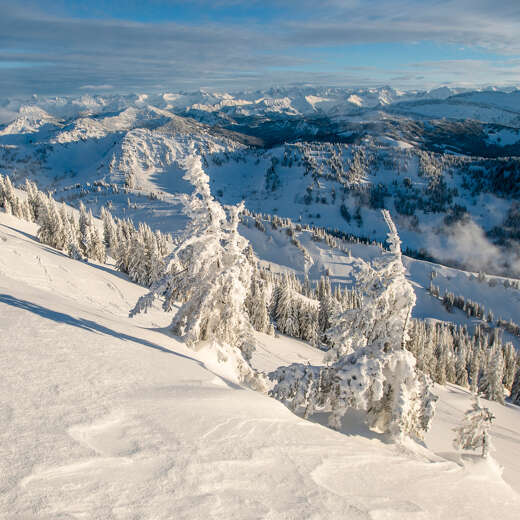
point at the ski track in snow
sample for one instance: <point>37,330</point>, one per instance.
<point>103,417</point>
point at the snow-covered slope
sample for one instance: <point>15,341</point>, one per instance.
<point>102,416</point>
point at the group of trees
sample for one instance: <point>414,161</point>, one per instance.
<point>481,362</point>
<point>59,226</point>
<point>138,252</point>
<point>379,359</point>
<point>474,309</point>
<point>305,312</point>
<point>369,368</point>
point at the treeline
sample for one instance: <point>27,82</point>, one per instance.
<point>332,237</point>
<point>474,309</point>
<point>298,309</point>
<point>59,227</point>
<point>137,251</point>
<point>481,362</point>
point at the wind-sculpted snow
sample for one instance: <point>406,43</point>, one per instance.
<point>119,420</point>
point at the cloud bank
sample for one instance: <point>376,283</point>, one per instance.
<point>52,48</point>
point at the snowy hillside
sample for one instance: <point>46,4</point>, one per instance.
<point>443,162</point>
<point>104,416</point>
<point>260,218</point>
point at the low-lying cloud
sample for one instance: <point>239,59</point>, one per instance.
<point>466,243</point>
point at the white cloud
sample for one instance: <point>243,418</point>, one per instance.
<point>65,53</point>
<point>96,87</point>
<point>467,244</point>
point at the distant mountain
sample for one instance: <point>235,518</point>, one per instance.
<point>437,159</point>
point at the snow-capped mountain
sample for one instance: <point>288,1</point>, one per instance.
<point>269,227</point>
<point>329,157</point>
<point>322,155</point>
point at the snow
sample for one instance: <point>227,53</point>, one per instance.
<point>503,136</point>
<point>103,416</point>
<point>355,100</point>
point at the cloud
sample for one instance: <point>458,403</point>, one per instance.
<point>96,87</point>
<point>466,243</point>
<point>267,42</point>
<point>7,115</point>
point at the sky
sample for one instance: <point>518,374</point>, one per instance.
<point>73,46</point>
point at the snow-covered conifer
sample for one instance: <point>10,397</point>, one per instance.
<point>474,369</point>
<point>109,231</point>
<point>474,432</point>
<point>386,308</point>
<point>371,370</point>
<point>491,382</point>
<point>461,377</point>
<point>515,390</point>
<point>32,199</point>
<point>7,193</point>
<point>257,304</point>
<point>283,311</point>
<point>90,242</point>
<point>509,365</point>
<point>209,273</point>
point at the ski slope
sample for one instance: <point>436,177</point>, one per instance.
<point>103,416</point>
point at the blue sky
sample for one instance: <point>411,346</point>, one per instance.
<point>72,46</point>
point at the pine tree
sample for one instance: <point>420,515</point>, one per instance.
<point>326,304</point>
<point>515,390</point>
<point>210,274</point>
<point>370,369</point>
<point>509,365</point>
<point>474,432</point>
<point>491,382</point>
<point>257,303</point>
<point>474,369</point>
<point>32,199</point>
<point>7,195</point>
<point>90,242</point>
<point>283,310</point>
<point>460,368</point>
<point>109,232</point>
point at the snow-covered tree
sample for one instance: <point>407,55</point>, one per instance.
<point>51,230</point>
<point>460,368</point>
<point>7,194</point>
<point>210,274</point>
<point>370,370</point>
<point>474,369</point>
<point>90,242</point>
<point>109,232</point>
<point>473,434</point>
<point>32,199</point>
<point>509,365</point>
<point>515,390</point>
<point>490,383</point>
<point>257,303</point>
<point>387,304</point>
<point>283,312</point>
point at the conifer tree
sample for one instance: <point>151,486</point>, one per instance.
<point>515,390</point>
<point>509,365</point>
<point>474,432</point>
<point>257,304</point>
<point>491,382</point>
<point>370,370</point>
<point>460,368</point>
<point>209,273</point>
<point>474,369</point>
<point>109,232</point>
